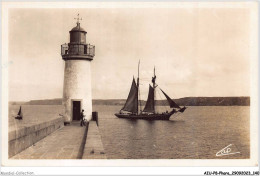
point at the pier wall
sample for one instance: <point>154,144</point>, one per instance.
<point>24,137</point>
<point>93,148</point>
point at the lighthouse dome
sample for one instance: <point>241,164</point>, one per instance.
<point>78,29</point>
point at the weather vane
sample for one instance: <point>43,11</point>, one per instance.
<point>78,18</point>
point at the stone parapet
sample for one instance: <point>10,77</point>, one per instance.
<point>23,137</point>
<point>93,147</point>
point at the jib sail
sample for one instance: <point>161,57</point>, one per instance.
<point>170,101</point>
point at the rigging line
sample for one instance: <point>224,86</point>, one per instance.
<point>173,95</point>
<point>184,104</point>
<point>164,102</point>
<point>164,105</point>
<point>139,102</point>
<point>179,98</point>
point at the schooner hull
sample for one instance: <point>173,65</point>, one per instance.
<point>145,116</point>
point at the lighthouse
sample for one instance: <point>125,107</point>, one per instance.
<point>77,55</point>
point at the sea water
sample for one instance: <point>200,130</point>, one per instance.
<point>198,133</point>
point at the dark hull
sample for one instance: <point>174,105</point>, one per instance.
<point>18,117</point>
<point>165,116</point>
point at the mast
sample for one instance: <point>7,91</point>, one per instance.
<point>154,86</point>
<point>138,98</point>
<point>154,78</point>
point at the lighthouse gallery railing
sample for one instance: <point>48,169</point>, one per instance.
<point>77,49</point>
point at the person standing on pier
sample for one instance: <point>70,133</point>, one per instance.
<point>82,118</point>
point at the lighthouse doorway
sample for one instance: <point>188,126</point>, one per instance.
<point>76,110</point>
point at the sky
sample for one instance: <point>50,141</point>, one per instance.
<point>196,51</point>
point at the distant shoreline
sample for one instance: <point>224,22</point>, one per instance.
<point>187,101</point>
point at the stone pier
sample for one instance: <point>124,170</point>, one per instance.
<point>68,142</point>
<point>64,143</point>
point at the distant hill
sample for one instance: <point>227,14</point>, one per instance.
<point>214,101</point>
<point>56,101</point>
<point>187,101</point>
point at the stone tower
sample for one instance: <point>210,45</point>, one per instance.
<point>77,55</point>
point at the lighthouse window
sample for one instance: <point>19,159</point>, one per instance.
<point>83,38</point>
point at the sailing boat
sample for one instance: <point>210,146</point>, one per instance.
<point>19,115</point>
<point>132,107</point>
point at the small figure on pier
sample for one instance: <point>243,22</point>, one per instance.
<point>82,122</point>
<point>20,114</point>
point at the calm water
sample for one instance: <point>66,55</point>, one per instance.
<point>33,114</point>
<point>198,133</point>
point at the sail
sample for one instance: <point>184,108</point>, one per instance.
<point>149,107</point>
<point>131,104</point>
<point>170,101</point>
<point>19,115</point>
<point>20,111</point>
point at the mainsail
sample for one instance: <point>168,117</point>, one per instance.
<point>170,101</point>
<point>149,107</point>
<point>20,112</point>
<point>131,104</point>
